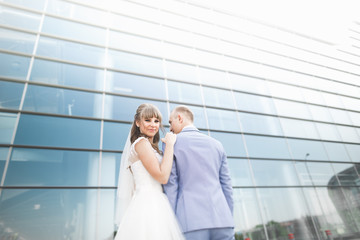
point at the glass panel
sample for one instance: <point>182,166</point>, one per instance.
<point>67,75</point>
<point>124,108</point>
<point>181,71</point>
<point>284,212</point>
<point>240,172</point>
<point>330,213</point>
<point>340,116</point>
<point>44,167</point>
<point>77,12</point>
<point>328,132</point>
<point>336,152</point>
<point>351,214</point>
<point>17,41</point>
<point>218,98</point>
<point>285,91</point>
<point>348,134</point>
<point>248,224</point>
<point>19,19</point>
<point>233,143</point>
<point>71,51</point>
<point>62,101</point>
<point>182,92</point>
<point>274,173</point>
<point>297,128</point>
<point>3,156</point>
<point>346,174</point>
<point>132,43</point>
<point>10,94</point>
<point>110,165</point>
<point>292,109</point>
<point>266,147</point>
<point>34,4</point>
<point>135,63</point>
<point>254,103</point>
<point>316,173</point>
<point>7,125</point>
<point>213,78</point>
<point>56,213</point>
<point>248,84</point>
<point>73,30</point>
<point>222,120</point>
<point>135,85</point>
<point>253,123</point>
<point>115,135</point>
<point>320,113</point>
<point>307,150</point>
<point>57,131</point>
<point>14,66</point>
<point>354,152</point>
<point>199,115</point>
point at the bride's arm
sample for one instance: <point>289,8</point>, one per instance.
<point>160,172</point>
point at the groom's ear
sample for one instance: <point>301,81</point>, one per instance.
<point>180,118</point>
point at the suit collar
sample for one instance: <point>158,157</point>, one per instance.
<point>190,128</point>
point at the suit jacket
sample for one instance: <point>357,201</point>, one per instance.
<point>199,188</point>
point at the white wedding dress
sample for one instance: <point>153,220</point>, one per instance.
<point>149,215</point>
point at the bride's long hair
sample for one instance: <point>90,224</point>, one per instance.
<point>145,111</point>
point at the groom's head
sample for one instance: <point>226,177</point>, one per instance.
<point>180,117</point>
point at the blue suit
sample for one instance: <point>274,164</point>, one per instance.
<point>199,188</point>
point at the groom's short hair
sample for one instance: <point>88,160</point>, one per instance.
<point>186,111</point>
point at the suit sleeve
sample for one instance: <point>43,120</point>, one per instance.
<point>225,181</point>
<point>171,188</point>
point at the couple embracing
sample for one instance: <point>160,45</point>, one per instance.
<point>192,171</point>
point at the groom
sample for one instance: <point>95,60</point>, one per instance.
<point>199,188</point>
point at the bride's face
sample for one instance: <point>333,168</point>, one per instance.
<point>149,126</point>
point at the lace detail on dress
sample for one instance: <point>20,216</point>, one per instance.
<point>133,154</point>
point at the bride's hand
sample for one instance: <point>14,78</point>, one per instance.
<point>170,138</point>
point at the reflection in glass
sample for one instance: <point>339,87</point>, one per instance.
<point>67,75</point>
<point>254,103</point>
<point>354,152</point>
<point>110,165</point>
<point>3,156</point>
<point>266,147</point>
<point>123,108</point>
<point>254,123</point>
<point>19,19</point>
<point>320,113</point>
<point>348,134</point>
<point>14,66</point>
<point>135,85</point>
<point>183,92</point>
<point>181,71</point>
<point>222,120</point>
<point>274,173</point>
<point>284,212</point>
<point>44,167</point>
<point>347,174</point>
<point>328,132</point>
<point>135,63</point>
<point>199,115</point>
<point>71,51</point>
<point>10,94</point>
<point>248,84</point>
<point>74,30</point>
<point>307,150</point>
<point>218,98</point>
<point>7,125</point>
<point>115,135</point>
<point>44,214</point>
<point>232,142</point>
<point>248,223</point>
<point>292,109</point>
<point>17,41</point>
<point>62,101</point>
<point>58,132</point>
<point>213,78</point>
<point>298,128</point>
<point>336,152</point>
<point>317,172</point>
<point>240,172</point>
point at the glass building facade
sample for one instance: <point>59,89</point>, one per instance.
<point>285,106</point>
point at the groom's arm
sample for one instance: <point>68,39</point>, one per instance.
<point>225,181</point>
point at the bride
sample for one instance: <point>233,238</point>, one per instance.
<point>143,210</point>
